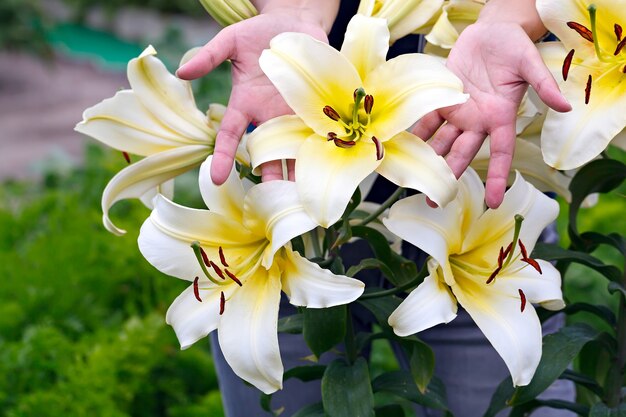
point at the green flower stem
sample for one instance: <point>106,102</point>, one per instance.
<point>351,351</point>
<point>315,243</point>
<point>393,291</point>
<point>616,372</point>
<point>384,206</point>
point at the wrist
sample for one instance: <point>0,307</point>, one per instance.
<point>319,13</point>
<point>521,12</point>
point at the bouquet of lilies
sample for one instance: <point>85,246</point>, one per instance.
<point>351,113</point>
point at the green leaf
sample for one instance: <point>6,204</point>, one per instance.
<point>603,312</point>
<point>583,380</point>
<point>401,383</point>
<point>346,389</point>
<point>303,373</point>
<point>523,410</point>
<point>369,263</point>
<point>554,253</point>
<point>297,244</point>
<point>291,324</point>
<point>601,410</point>
<point>593,239</point>
<point>615,287</point>
<point>599,176</point>
<point>382,308</point>
<point>422,364</point>
<point>323,328</point>
<point>311,410</point>
<point>391,410</point>
<point>500,397</point>
<point>559,349</point>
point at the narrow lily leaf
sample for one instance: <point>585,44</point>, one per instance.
<point>303,373</point>
<point>137,179</point>
<point>422,364</point>
<point>593,239</point>
<point>390,410</point>
<point>346,389</point>
<point>499,400</point>
<point>559,349</point>
<point>524,409</point>
<point>556,253</point>
<point>313,410</point>
<point>583,380</point>
<point>291,324</point>
<point>382,308</point>
<point>601,410</point>
<point>324,328</point>
<point>369,263</point>
<point>401,383</point>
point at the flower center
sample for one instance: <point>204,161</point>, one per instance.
<point>349,131</point>
<point>614,59</point>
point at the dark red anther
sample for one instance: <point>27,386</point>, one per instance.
<point>508,250</point>
<point>331,113</point>
<point>620,46</point>
<point>533,263</point>
<point>233,277</point>
<point>368,104</point>
<point>344,143</point>
<point>222,257</point>
<point>217,270</point>
<point>380,150</point>
<point>205,257</point>
<point>522,248</point>
<point>567,64</point>
<point>196,289</point>
<point>582,30</point>
<point>588,90</point>
<point>492,277</point>
<point>618,31</point>
<point>222,302</point>
<point>126,157</point>
<point>331,136</point>
<point>522,297</point>
<point>500,257</point>
<point>624,69</point>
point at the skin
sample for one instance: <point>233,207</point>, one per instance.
<point>495,58</point>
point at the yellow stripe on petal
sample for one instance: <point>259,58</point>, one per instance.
<point>366,43</point>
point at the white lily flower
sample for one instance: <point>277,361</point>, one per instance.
<point>403,16</point>
<point>594,70</point>
<point>480,259</point>
<point>239,258</point>
<point>455,16</point>
<point>228,12</point>
<point>352,108</point>
<point>157,118</point>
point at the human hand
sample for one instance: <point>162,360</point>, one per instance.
<point>496,62</point>
<point>253,98</point>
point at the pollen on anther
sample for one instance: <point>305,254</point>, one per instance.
<point>331,113</point>
<point>380,150</point>
<point>618,31</point>
<point>534,264</point>
<point>331,136</point>
<point>196,289</point>
<point>233,277</point>
<point>217,270</point>
<point>222,257</point>
<point>126,157</point>
<point>222,302</point>
<point>567,64</point>
<point>522,297</point>
<point>492,277</point>
<point>507,250</point>
<point>344,143</point>
<point>368,104</point>
<point>205,257</point>
<point>588,90</point>
<point>522,248</point>
<point>619,47</point>
<point>500,257</point>
<point>582,30</point>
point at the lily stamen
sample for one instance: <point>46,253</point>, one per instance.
<point>126,157</point>
<point>331,113</point>
<point>522,297</point>
<point>380,150</point>
<point>567,64</point>
<point>581,30</point>
<point>618,31</point>
<point>196,289</point>
<point>197,250</point>
<point>588,90</point>
<point>222,257</point>
<point>233,277</point>
<point>222,302</point>
<point>217,270</point>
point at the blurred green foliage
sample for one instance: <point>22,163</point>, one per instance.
<point>23,26</point>
<point>82,329</point>
<point>190,7</point>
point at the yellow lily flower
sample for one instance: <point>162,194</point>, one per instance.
<point>238,256</point>
<point>594,73</point>
<point>455,16</point>
<point>403,16</point>
<point>157,118</point>
<point>480,259</point>
<point>352,108</point>
<point>227,12</point>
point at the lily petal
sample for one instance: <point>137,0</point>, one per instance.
<point>431,303</point>
<point>167,97</point>
<point>276,139</point>
<point>137,179</point>
<point>408,16</point>
<point>191,319</point>
<point>366,43</point>
<point>327,175</point>
<point>225,199</point>
<point>273,209</point>
<point>515,335</point>
<point>544,288</point>
<point>407,88</point>
<point>412,163</point>
<point>308,285</point>
<point>455,16</point>
<point>310,75</point>
<point>247,331</point>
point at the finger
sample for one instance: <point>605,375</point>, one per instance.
<point>427,125</point>
<point>272,170</point>
<point>216,51</point>
<point>232,128</point>
<point>444,139</point>
<point>502,149</point>
<point>464,150</point>
<point>535,72</point>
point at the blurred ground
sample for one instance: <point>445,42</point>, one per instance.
<point>39,105</point>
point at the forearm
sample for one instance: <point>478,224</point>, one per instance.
<point>322,13</point>
<point>521,12</point>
